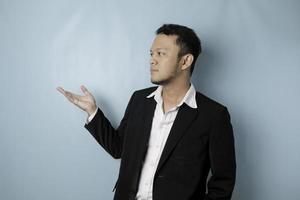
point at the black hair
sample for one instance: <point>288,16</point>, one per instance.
<point>187,40</point>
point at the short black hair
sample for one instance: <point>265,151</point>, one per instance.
<point>187,40</point>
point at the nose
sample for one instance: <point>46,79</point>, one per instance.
<point>153,61</point>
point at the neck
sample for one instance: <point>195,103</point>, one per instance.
<point>173,92</point>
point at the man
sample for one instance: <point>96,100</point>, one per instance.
<point>171,135</point>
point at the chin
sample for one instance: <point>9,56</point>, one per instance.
<point>159,82</point>
<point>154,82</point>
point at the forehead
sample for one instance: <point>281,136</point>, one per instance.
<point>162,41</point>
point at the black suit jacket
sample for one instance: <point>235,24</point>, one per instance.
<point>199,140</point>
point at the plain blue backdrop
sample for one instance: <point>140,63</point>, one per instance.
<point>250,63</point>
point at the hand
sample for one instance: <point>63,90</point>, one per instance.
<point>86,102</point>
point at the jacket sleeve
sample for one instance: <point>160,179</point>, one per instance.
<point>222,158</point>
<point>106,135</point>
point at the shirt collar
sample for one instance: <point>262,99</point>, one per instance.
<point>189,98</point>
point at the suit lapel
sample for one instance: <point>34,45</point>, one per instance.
<point>146,124</point>
<point>183,120</point>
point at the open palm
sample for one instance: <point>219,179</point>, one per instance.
<point>86,102</point>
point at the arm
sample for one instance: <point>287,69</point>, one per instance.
<point>107,136</point>
<point>222,158</point>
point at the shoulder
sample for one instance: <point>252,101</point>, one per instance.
<point>144,92</point>
<point>210,106</point>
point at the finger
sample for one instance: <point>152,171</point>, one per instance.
<point>84,90</point>
<point>66,93</point>
<point>61,90</point>
<point>69,96</point>
<point>74,98</point>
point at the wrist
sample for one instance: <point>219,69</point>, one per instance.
<point>91,110</point>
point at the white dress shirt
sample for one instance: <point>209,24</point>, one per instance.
<point>161,126</point>
<point>91,116</point>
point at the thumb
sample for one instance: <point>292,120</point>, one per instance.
<point>84,90</point>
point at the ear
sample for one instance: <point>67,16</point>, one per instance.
<point>187,61</point>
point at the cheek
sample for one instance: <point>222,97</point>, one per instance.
<point>165,66</point>
<point>170,65</point>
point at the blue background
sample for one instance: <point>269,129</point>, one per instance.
<point>250,63</point>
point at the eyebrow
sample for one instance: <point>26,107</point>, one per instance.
<point>160,49</point>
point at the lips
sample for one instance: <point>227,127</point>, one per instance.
<point>153,70</point>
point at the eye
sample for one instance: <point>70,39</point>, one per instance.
<point>161,53</point>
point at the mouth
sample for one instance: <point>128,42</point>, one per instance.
<point>153,70</point>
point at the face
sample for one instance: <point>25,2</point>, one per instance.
<point>164,65</point>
